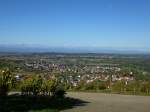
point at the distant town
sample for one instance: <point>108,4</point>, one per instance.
<point>75,70</point>
<point>88,73</point>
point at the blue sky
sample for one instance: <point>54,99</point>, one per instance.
<point>76,23</point>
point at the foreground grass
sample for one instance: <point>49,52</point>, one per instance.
<point>18,103</point>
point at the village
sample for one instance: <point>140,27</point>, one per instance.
<point>74,74</point>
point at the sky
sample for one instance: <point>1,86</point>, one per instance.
<point>76,23</point>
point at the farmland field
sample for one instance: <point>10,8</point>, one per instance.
<point>98,102</point>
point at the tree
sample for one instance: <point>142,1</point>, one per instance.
<point>49,87</point>
<point>6,81</point>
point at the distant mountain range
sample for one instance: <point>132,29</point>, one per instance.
<point>25,48</point>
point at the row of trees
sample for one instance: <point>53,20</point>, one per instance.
<point>95,85</point>
<point>36,85</point>
<point>133,87</point>
<point>31,85</point>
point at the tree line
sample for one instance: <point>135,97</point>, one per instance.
<point>30,85</point>
<point>39,85</point>
<point>121,87</point>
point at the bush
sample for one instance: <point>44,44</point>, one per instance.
<point>38,86</point>
<point>145,87</point>
<point>49,87</point>
<point>31,85</point>
<point>134,87</point>
<point>119,87</point>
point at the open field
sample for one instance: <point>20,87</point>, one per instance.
<point>99,102</point>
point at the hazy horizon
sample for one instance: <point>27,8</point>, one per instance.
<point>113,24</point>
<point>68,49</point>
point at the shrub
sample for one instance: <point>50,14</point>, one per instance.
<point>31,85</point>
<point>145,87</point>
<point>119,87</point>
<point>38,86</point>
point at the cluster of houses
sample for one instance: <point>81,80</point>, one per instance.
<point>89,73</point>
<point>75,80</point>
<point>92,69</point>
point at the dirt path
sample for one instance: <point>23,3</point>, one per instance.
<point>99,102</point>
